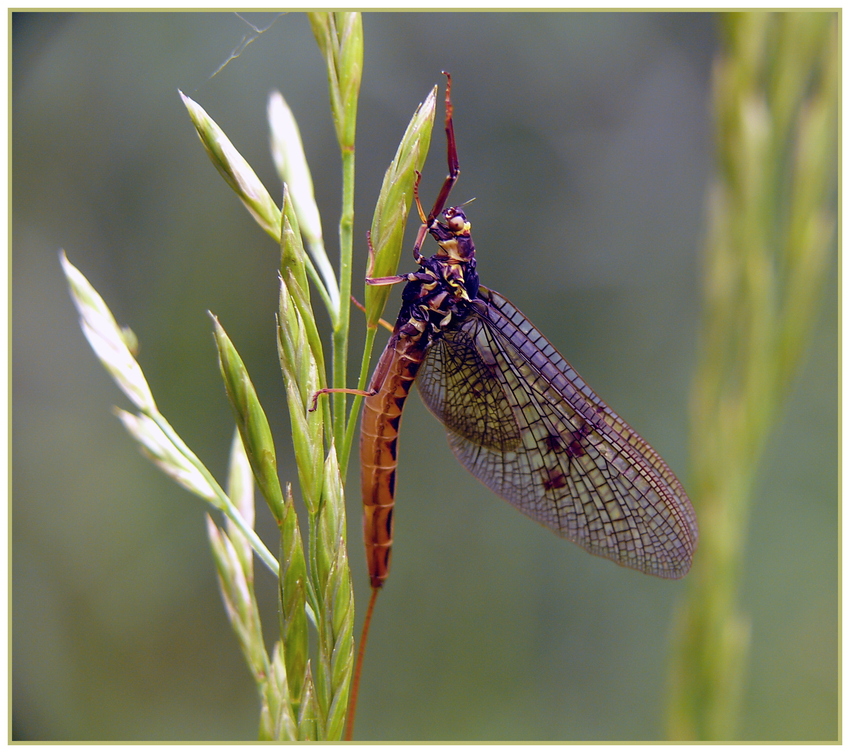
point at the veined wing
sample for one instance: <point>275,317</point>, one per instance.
<point>523,422</point>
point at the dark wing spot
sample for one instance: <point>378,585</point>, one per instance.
<point>576,446</point>
<point>553,478</point>
<point>554,443</point>
<point>569,443</point>
<point>575,449</point>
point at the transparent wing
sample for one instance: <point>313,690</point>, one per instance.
<point>523,422</point>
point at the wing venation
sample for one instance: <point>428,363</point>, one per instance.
<point>522,421</point>
<point>459,387</point>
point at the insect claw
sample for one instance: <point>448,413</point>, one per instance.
<point>315,401</point>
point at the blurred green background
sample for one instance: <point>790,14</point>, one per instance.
<point>586,139</point>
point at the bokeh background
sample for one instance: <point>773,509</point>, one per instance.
<point>586,139</point>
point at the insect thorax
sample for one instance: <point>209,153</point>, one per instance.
<point>437,297</point>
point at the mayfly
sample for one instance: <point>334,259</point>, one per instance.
<point>518,416</point>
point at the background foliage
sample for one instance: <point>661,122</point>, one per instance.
<point>586,140</point>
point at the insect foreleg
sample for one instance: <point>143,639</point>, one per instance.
<point>454,164</point>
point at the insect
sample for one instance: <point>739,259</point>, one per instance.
<point>518,416</point>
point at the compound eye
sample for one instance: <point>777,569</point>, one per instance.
<point>456,222</point>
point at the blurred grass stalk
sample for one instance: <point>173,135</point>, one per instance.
<point>771,230</point>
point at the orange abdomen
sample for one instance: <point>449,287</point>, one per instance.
<point>379,426</point>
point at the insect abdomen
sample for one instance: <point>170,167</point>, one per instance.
<point>379,428</point>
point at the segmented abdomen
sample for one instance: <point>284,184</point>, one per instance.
<point>379,428</point>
